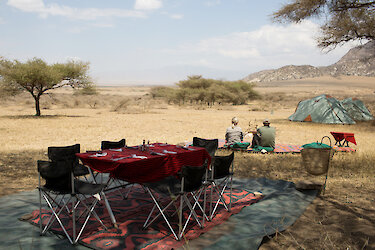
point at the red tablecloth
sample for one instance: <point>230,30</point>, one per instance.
<point>339,136</point>
<point>153,168</point>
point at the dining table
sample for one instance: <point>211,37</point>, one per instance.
<point>144,163</point>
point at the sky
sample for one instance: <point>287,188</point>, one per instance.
<point>159,42</point>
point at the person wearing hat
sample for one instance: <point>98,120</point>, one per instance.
<point>233,133</point>
<point>265,135</point>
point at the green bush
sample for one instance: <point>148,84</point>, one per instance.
<point>199,90</point>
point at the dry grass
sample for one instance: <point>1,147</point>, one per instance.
<point>342,219</point>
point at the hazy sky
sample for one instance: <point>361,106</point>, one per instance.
<point>159,41</point>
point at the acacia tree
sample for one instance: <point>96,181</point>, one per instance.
<point>346,20</point>
<point>37,77</point>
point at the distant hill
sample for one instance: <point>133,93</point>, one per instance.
<point>359,61</point>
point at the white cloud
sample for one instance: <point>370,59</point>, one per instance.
<point>76,30</point>
<point>147,4</point>
<point>104,25</point>
<point>270,46</point>
<point>43,10</point>
<point>172,16</point>
<point>27,5</point>
<point>2,21</point>
<point>212,3</point>
<point>176,16</point>
<point>268,40</point>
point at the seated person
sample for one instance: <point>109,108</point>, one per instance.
<point>264,136</point>
<point>234,133</point>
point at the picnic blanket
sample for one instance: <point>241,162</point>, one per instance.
<point>280,148</point>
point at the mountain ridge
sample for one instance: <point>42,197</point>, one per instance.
<point>358,61</point>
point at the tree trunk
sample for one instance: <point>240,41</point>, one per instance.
<point>37,105</point>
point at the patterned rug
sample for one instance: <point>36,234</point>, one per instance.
<point>281,148</point>
<point>131,213</point>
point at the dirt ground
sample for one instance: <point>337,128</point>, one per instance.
<point>341,219</point>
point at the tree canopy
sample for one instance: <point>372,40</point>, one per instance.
<point>197,89</point>
<point>346,20</point>
<point>37,77</point>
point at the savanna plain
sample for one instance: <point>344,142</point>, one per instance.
<point>342,218</point>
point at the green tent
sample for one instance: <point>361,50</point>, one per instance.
<point>321,109</point>
<point>357,109</point>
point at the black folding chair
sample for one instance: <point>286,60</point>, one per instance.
<point>113,144</point>
<point>221,176</point>
<point>56,154</point>
<point>118,184</point>
<point>181,192</point>
<point>68,196</point>
<point>210,145</point>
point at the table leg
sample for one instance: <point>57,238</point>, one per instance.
<point>109,209</point>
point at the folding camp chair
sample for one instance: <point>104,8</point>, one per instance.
<point>118,184</point>
<point>66,197</point>
<point>113,144</point>
<point>56,154</point>
<point>220,178</point>
<point>177,192</point>
<point>210,145</point>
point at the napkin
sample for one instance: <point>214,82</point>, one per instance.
<point>116,149</point>
<point>185,147</point>
<point>139,156</point>
<point>121,158</point>
<point>169,152</point>
<point>156,153</point>
<point>99,154</point>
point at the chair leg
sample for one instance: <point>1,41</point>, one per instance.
<point>220,194</point>
<point>56,210</point>
<point>205,197</point>
<point>90,211</point>
<point>40,206</point>
<point>74,219</point>
<point>180,231</point>
<point>196,200</point>
<point>212,184</point>
<point>230,194</point>
<point>161,212</point>
<point>128,192</point>
<point>191,208</point>
<point>55,215</point>
<point>192,212</point>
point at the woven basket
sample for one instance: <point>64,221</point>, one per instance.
<point>316,160</point>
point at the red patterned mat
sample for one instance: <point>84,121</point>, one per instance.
<point>131,214</point>
<point>283,148</point>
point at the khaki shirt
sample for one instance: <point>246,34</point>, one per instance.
<point>267,136</point>
<point>233,135</point>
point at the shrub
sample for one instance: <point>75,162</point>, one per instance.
<point>121,105</point>
<point>199,90</point>
<point>88,90</point>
